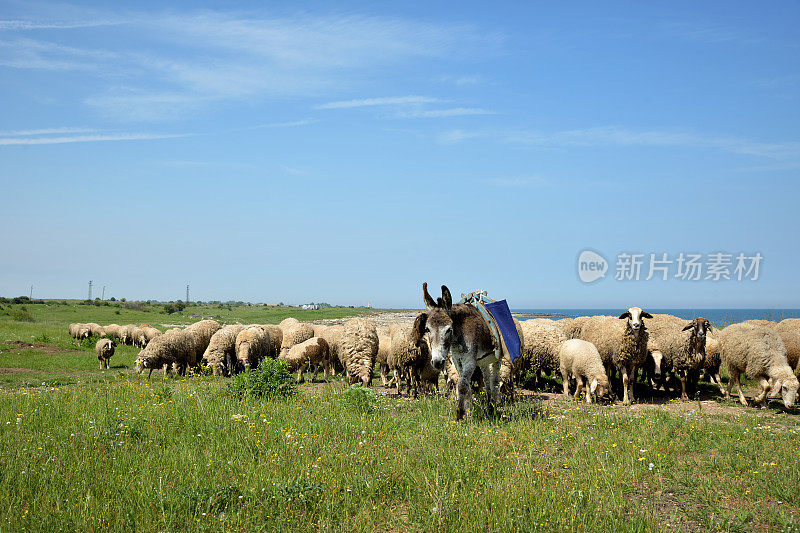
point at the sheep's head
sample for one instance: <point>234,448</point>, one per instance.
<point>598,388</point>
<point>437,324</point>
<point>700,327</point>
<point>84,333</point>
<point>635,316</point>
<point>789,392</point>
<point>656,359</point>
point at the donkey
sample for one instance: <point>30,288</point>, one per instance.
<point>462,331</point>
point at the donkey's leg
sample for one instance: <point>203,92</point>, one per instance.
<point>464,389</point>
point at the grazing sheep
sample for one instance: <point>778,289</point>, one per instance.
<point>540,346</point>
<point>275,339</point>
<point>112,331</point>
<point>332,335</point>
<point>202,332</point>
<point>318,329</point>
<point>790,335</point>
<point>104,349</point>
<point>294,332</point>
<point>382,358</point>
<point>450,374</point>
<point>312,352</point>
<point>358,347</point>
<point>126,334</point>
<point>138,338</point>
<point>84,332</point>
<point>252,345</point>
<point>74,330</point>
<point>758,352</point>
<point>684,349</point>
<point>169,351</point>
<point>581,360</point>
<point>656,368</point>
<point>622,346</point>
<point>565,324</point>
<point>95,330</point>
<point>220,354</point>
<point>712,362</point>
<point>150,333</point>
<point>408,354</point>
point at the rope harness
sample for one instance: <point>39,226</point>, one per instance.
<point>477,299</point>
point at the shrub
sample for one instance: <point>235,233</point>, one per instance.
<point>21,315</point>
<point>270,380</point>
<point>136,306</point>
<point>43,338</point>
<point>360,398</point>
<point>89,342</point>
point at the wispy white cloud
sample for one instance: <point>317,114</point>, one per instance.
<point>616,136</point>
<point>384,101</point>
<point>439,113</point>
<point>27,140</point>
<point>46,131</point>
<point>295,171</point>
<point>187,62</point>
<point>291,124</point>
<point>709,33</point>
<point>461,81</point>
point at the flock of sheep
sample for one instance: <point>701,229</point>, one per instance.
<point>589,352</point>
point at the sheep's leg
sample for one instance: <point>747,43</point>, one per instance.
<point>625,386</point>
<point>738,381</point>
<point>684,396</point>
<point>565,381</point>
<point>718,379</point>
<point>764,386</point>
<point>578,386</point>
<point>775,388</point>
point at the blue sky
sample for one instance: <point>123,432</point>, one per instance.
<point>308,152</point>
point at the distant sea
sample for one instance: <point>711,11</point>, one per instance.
<point>719,317</point>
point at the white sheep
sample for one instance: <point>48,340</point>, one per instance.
<point>409,353</point>
<point>358,347</point>
<point>683,348</point>
<point>581,361</point>
<point>312,352</point>
<point>220,353</point>
<point>622,346</point>
<point>758,352</point>
<point>252,345</point>
<point>294,332</point>
<point>104,349</point>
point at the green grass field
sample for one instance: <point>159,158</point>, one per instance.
<point>92,450</point>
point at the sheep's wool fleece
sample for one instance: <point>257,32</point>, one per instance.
<point>358,346</point>
<point>222,343</point>
<point>104,348</point>
<point>581,358</point>
<point>295,333</point>
<point>541,344</point>
<point>252,345</point>
<point>616,343</point>
<point>751,349</point>
<point>275,339</point>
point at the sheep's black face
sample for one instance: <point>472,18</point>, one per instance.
<point>701,327</point>
<point>438,326</point>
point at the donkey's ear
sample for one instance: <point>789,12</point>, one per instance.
<point>429,303</point>
<point>447,297</point>
<point>418,330</point>
<point>645,314</point>
<point>626,314</point>
<point>690,325</point>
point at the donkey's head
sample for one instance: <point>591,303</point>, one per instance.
<point>635,316</point>
<point>439,325</point>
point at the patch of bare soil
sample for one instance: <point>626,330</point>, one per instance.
<point>668,505</point>
<point>379,319</point>
<point>49,349</point>
<point>14,370</point>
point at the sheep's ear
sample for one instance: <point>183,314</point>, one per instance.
<point>645,314</point>
<point>626,314</point>
<point>593,386</point>
<point>418,329</point>
<point>690,325</point>
<point>708,325</point>
<point>429,303</point>
<point>447,297</point>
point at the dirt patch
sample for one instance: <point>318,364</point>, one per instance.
<point>668,506</point>
<point>49,349</point>
<point>14,370</point>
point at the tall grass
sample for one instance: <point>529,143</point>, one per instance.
<point>184,455</point>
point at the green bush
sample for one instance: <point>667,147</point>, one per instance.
<point>270,380</point>
<point>43,338</point>
<point>360,398</point>
<point>21,315</point>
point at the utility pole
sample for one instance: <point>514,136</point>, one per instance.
<point>103,297</point>
<point>90,290</point>
<point>31,296</point>
<point>187,295</point>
